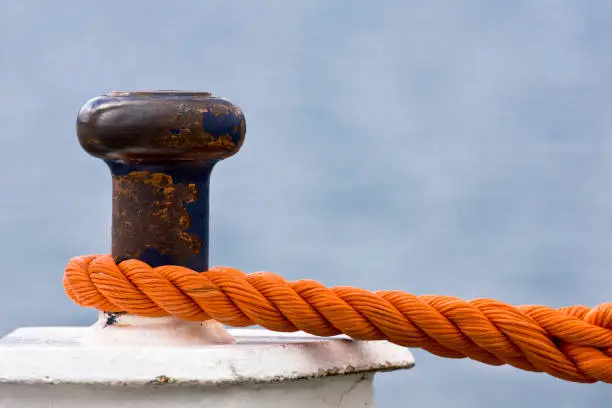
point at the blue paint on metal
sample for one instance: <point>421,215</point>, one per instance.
<point>222,125</point>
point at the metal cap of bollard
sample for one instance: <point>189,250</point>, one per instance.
<point>161,147</point>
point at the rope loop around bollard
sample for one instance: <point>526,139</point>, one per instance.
<point>161,147</point>
<point>572,343</point>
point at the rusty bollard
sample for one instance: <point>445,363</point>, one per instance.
<point>161,147</point>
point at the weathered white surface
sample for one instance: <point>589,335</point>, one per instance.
<point>71,367</point>
<point>354,390</point>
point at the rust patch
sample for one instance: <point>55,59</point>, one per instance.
<point>192,134</point>
<point>162,379</point>
<point>223,142</point>
<point>149,212</point>
<point>186,138</point>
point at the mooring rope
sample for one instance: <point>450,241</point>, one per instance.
<point>571,343</point>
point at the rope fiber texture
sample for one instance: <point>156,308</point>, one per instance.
<point>572,343</point>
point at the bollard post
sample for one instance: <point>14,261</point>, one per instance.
<point>161,148</point>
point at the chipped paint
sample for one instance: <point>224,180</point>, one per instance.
<point>150,213</point>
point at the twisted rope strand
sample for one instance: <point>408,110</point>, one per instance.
<point>572,343</point>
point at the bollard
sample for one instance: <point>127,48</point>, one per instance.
<point>161,148</point>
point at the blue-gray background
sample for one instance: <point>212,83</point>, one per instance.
<point>443,147</point>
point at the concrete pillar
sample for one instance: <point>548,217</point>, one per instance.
<point>162,362</point>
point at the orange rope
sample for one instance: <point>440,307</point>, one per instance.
<point>573,343</point>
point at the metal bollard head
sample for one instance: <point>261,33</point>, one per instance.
<point>160,125</point>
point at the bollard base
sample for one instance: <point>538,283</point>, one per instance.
<point>61,367</point>
<point>354,390</point>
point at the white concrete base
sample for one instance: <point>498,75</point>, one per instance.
<point>353,390</point>
<point>63,367</point>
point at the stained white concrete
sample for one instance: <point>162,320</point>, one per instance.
<point>139,363</point>
<point>345,391</point>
